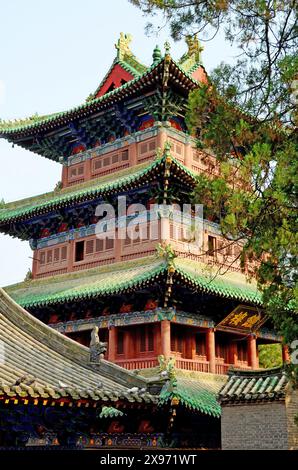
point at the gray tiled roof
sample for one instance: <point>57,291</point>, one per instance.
<point>39,362</point>
<point>252,386</point>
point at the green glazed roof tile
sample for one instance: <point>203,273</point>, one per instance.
<point>119,277</point>
<point>101,281</point>
<point>198,392</point>
<point>88,190</point>
<point>110,412</point>
<point>10,127</point>
<point>230,285</point>
<point>34,122</point>
<point>93,188</point>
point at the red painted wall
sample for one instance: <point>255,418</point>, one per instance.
<point>200,75</point>
<point>117,74</point>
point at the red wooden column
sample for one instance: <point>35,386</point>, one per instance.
<point>191,343</point>
<point>188,154</point>
<point>35,263</point>
<point>64,175</point>
<point>118,245</point>
<point>165,333</point>
<point>285,354</point>
<point>252,352</point>
<point>161,137</point>
<point>132,151</point>
<point>112,344</point>
<point>127,344</point>
<point>233,353</point>
<point>70,255</point>
<point>87,175</point>
<point>210,340</point>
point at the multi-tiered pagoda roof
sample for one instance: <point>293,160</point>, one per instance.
<point>151,299</point>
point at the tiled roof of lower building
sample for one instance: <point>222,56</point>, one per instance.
<point>126,275</point>
<point>195,390</point>
<point>254,386</point>
<point>38,362</point>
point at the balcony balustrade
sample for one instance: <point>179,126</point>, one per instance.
<point>192,365</point>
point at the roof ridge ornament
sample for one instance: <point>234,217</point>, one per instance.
<point>166,368</point>
<point>123,46</point>
<point>167,47</point>
<point>193,56</point>
<point>156,55</point>
<point>166,251</point>
<point>194,47</point>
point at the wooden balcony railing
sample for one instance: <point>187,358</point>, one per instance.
<point>132,364</point>
<point>193,365</point>
<point>221,368</point>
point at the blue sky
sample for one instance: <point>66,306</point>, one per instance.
<point>53,54</point>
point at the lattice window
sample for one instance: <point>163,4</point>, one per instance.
<point>143,148</point>
<point>211,245</point>
<point>127,240</point>
<point>97,164</point>
<point>109,243</point>
<point>124,156</point>
<point>177,339</point>
<point>49,256</point>
<point>222,351</point>
<point>146,338</point>
<point>242,351</point>
<point>229,249</point>
<point>115,158</point>
<point>177,149</point>
<point>76,171</point>
<point>89,247</point>
<point>63,253</point>
<point>106,161</point>
<point>196,156</point>
<point>146,149</point>
<point>98,245</point>
<point>42,257</point>
<point>56,254</point>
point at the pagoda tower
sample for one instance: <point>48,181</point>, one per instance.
<point>154,292</point>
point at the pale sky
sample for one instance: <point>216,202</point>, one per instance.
<point>53,55</point>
